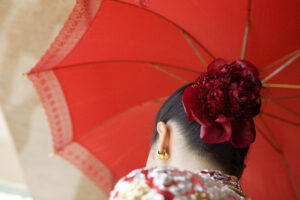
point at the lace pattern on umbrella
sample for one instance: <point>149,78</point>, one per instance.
<point>53,100</point>
<point>75,26</point>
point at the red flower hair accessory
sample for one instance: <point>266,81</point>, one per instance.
<point>224,101</point>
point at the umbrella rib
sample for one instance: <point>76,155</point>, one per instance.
<point>176,67</point>
<point>194,48</point>
<point>158,100</point>
<point>279,60</point>
<point>176,25</point>
<point>281,119</point>
<point>270,133</point>
<point>282,98</point>
<point>284,108</point>
<point>291,177</point>
<point>280,68</point>
<point>245,39</point>
<point>124,61</point>
<point>169,73</point>
<point>276,148</point>
<point>278,85</point>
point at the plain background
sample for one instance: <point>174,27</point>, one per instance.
<point>27,28</point>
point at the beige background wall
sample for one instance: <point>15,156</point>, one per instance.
<point>27,27</point>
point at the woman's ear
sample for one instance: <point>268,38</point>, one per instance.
<point>163,142</point>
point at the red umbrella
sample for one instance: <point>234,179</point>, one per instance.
<point>113,63</point>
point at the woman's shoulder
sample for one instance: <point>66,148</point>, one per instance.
<point>168,183</point>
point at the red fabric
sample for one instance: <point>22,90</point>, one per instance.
<point>101,92</point>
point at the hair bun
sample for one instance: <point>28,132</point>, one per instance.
<point>222,96</point>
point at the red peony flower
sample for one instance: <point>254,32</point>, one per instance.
<point>224,101</point>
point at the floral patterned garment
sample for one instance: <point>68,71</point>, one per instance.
<point>169,183</point>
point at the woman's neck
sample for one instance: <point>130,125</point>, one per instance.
<point>184,159</point>
<point>192,162</point>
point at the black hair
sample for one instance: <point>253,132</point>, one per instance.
<point>229,158</point>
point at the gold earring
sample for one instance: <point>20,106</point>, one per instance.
<point>163,155</point>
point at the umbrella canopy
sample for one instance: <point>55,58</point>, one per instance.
<point>115,61</point>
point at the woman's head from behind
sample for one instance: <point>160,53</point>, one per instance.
<point>202,124</point>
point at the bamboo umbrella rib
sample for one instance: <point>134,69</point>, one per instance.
<point>274,146</point>
<point>291,177</point>
<point>280,68</point>
<point>269,131</point>
<point>279,60</point>
<point>281,119</point>
<point>281,98</point>
<point>170,73</point>
<point>194,48</point>
<point>159,100</point>
<point>190,37</point>
<point>245,39</point>
<point>85,134</point>
<point>176,25</point>
<point>284,108</point>
<point>176,67</point>
<point>278,85</point>
<point>117,61</point>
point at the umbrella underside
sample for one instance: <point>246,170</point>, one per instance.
<point>124,75</point>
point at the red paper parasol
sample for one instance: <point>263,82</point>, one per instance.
<point>113,63</point>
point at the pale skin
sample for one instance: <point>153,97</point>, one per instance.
<point>180,155</point>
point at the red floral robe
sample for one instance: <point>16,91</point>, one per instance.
<point>169,183</point>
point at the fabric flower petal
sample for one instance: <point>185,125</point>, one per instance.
<point>217,64</point>
<point>187,101</point>
<point>243,132</point>
<point>204,121</point>
<point>249,69</point>
<point>216,133</point>
<point>223,101</point>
